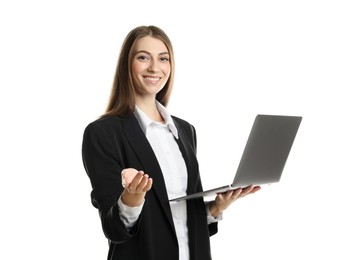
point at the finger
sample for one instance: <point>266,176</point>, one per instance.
<point>227,195</point>
<point>135,182</point>
<point>253,190</point>
<point>237,193</point>
<point>149,185</point>
<point>241,192</point>
<point>257,188</point>
<point>142,183</point>
<point>246,190</point>
<point>219,196</point>
<point>138,177</point>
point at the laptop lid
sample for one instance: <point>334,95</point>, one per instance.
<point>265,153</point>
<point>266,150</point>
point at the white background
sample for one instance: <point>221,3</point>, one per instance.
<point>234,59</point>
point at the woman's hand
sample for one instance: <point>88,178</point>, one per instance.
<point>135,184</point>
<point>224,200</point>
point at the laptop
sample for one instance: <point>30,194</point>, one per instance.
<point>265,154</point>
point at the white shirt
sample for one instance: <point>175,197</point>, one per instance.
<point>161,137</point>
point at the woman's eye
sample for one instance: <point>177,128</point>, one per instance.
<point>164,59</point>
<point>142,57</point>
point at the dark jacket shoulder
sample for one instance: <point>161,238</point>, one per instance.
<point>108,121</point>
<point>181,121</point>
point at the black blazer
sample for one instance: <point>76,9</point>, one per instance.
<point>113,143</point>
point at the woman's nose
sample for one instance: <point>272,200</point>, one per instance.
<point>153,67</point>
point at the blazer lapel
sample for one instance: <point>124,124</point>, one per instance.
<point>188,153</point>
<point>148,161</point>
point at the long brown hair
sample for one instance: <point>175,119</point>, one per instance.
<point>122,98</point>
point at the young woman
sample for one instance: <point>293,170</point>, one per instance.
<point>138,156</point>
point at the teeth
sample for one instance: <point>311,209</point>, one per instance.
<point>152,79</point>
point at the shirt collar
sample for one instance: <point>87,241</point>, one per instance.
<point>145,121</point>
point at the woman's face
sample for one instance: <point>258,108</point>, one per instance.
<point>150,66</point>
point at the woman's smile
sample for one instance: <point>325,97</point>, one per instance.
<point>151,80</point>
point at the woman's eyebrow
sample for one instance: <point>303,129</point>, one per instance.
<point>162,53</point>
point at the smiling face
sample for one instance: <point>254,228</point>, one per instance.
<point>150,66</point>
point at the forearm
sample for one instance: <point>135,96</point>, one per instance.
<point>129,215</point>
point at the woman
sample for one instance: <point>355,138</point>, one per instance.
<point>138,156</point>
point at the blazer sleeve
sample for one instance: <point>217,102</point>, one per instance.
<point>103,164</point>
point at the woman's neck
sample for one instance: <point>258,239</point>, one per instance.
<point>149,107</point>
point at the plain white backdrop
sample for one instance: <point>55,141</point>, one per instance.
<point>234,59</point>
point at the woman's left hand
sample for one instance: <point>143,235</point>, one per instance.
<point>224,200</point>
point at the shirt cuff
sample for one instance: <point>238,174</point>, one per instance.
<point>210,218</point>
<point>129,215</point>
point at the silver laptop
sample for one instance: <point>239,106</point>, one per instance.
<point>264,156</point>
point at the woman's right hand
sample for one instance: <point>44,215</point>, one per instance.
<point>135,184</point>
